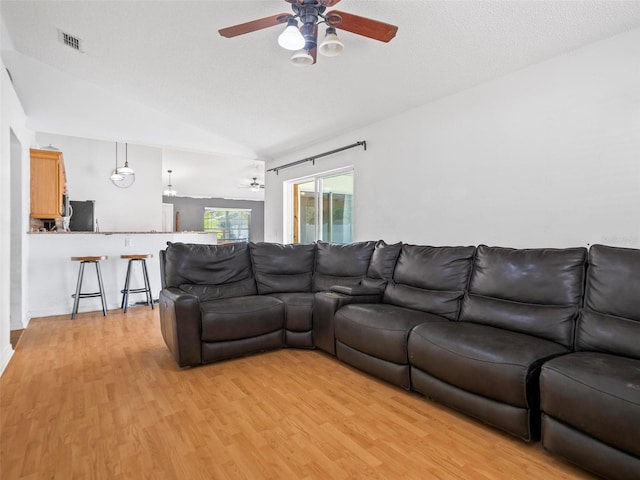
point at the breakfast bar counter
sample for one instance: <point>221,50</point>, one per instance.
<point>52,276</point>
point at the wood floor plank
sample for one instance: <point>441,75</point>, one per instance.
<point>102,398</point>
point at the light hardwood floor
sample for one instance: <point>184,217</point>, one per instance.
<point>102,398</point>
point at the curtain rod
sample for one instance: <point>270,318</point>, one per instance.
<point>320,155</point>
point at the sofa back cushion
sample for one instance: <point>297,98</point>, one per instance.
<point>383,260</point>
<point>532,291</point>
<point>382,265</point>
<point>341,264</point>
<point>610,321</point>
<point>210,271</point>
<point>282,268</point>
<point>431,279</point>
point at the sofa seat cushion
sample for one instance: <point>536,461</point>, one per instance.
<point>240,317</point>
<point>596,393</point>
<point>380,330</point>
<point>298,309</point>
<point>301,299</point>
<point>488,361</point>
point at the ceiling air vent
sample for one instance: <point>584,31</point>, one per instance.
<point>69,40</point>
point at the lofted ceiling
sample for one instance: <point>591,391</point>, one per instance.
<point>157,72</point>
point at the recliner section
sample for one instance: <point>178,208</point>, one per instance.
<point>285,272</point>
<point>518,312</point>
<point>426,287</point>
<point>226,316</point>
<point>590,399</point>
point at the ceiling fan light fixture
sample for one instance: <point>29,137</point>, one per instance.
<point>302,58</point>
<point>255,186</point>
<point>291,38</point>
<point>331,45</point>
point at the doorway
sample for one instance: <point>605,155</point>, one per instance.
<point>167,217</point>
<point>323,208</point>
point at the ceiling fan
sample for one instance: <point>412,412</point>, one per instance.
<point>254,185</point>
<point>304,40</point>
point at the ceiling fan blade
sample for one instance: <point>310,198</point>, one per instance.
<point>254,25</point>
<point>366,27</point>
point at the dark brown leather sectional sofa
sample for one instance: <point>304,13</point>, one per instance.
<point>541,343</point>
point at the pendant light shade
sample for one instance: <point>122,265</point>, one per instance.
<point>302,58</point>
<point>291,38</point>
<point>331,45</point>
<point>115,176</point>
<point>126,170</point>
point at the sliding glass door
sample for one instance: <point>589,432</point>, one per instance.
<point>323,209</point>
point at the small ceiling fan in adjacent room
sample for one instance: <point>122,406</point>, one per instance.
<point>303,40</point>
<point>255,186</point>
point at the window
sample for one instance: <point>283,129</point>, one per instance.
<point>323,208</point>
<point>231,224</point>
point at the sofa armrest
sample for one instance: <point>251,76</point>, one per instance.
<point>356,290</point>
<point>180,325</point>
<point>325,305</point>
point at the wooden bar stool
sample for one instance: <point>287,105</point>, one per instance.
<point>127,283</point>
<point>78,295</point>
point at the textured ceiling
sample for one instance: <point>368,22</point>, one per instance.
<point>242,94</point>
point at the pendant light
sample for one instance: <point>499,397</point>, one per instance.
<point>169,192</point>
<point>123,177</point>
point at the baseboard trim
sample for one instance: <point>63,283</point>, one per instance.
<point>5,356</point>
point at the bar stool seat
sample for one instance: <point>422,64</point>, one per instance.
<point>78,295</point>
<point>127,283</point>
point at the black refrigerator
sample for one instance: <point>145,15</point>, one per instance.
<point>82,216</point>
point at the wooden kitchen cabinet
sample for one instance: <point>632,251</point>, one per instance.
<point>48,183</point>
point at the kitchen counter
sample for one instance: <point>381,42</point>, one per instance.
<point>121,233</point>
<point>52,275</point>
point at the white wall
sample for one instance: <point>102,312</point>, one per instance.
<point>546,156</point>
<point>13,228</point>
<point>53,276</point>
<point>89,164</point>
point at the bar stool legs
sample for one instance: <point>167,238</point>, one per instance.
<point>127,283</point>
<point>78,295</point>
